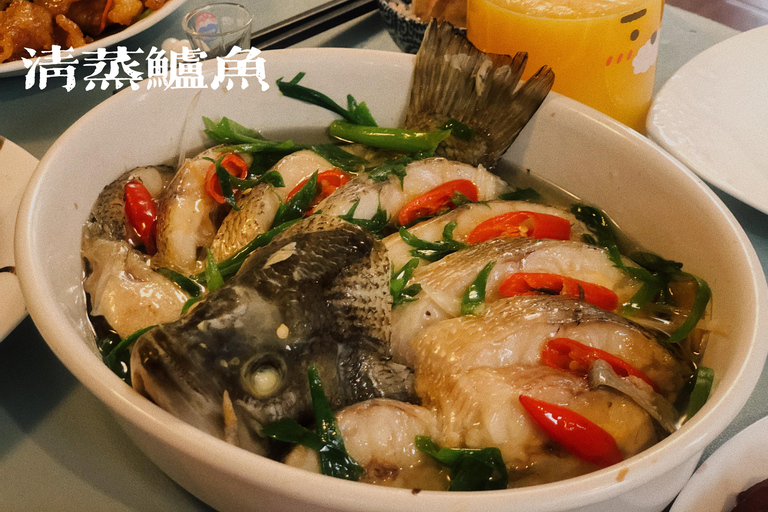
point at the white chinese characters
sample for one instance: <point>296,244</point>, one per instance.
<point>167,70</point>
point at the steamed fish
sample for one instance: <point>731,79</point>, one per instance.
<point>187,218</point>
<point>119,280</point>
<point>316,287</point>
<point>513,331</point>
<point>316,294</point>
<point>379,434</point>
<point>368,196</point>
<point>467,217</point>
<point>258,205</point>
<point>444,282</point>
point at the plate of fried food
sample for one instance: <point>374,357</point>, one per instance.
<point>83,25</point>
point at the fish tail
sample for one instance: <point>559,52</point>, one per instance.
<point>453,80</point>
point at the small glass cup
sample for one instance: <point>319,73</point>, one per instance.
<point>605,59</point>
<point>217,28</point>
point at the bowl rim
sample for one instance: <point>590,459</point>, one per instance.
<point>588,489</point>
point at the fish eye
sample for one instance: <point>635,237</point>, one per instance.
<point>262,376</point>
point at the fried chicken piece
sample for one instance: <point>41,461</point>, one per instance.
<point>24,25</point>
<point>73,35</point>
<point>125,11</point>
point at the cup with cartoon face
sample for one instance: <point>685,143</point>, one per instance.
<point>603,52</point>
<point>218,27</point>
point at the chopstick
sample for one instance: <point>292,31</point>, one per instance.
<point>310,23</point>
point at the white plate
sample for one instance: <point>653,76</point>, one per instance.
<point>16,166</point>
<point>17,67</point>
<point>734,467</point>
<point>713,115</point>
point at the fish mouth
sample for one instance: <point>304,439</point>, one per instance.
<point>153,376</point>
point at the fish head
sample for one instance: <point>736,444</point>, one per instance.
<point>238,343</point>
<point>238,360</point>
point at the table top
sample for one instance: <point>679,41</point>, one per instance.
<point>60,449</point>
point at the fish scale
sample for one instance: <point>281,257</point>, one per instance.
<point>293,303</point>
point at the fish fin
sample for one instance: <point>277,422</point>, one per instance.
<point>454,80</point>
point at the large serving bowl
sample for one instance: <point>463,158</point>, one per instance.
<point>652,197</point>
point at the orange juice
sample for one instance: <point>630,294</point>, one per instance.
<point>603,52</point>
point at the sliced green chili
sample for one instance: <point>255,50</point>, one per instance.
<point>189,285</point>
<point>354,113</point>
<point>327,440</point>
<point>337,157</point>
<point>473,300</point>
<point>521,194</point>
<point>433,251</point>
<point>118,357</point>
<point>700,301</point>
<point>297,206</point>
<point>471,469</point>
<point>375,224</point>
<point>701,389</point>
<point>398,284</point>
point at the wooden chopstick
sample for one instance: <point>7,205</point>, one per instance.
<point>310,23</point>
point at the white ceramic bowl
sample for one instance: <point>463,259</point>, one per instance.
<point>651,196</point>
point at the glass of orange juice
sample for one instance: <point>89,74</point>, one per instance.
<point>603,52</point>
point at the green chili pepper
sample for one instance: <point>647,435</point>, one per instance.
<point>701,390</point>
<point>433,251</point>
<point>375,224</point>
<point>297,206</point>
<point>354,113</point>
<point>473,300</point>
<point>189,285</point>
<point>700,301</point>
<point>521,194</point>
<point>117,358</point>
<point>327,440</point>
<point>396,139</point>
<point>471,469</point>
<point>337,157</point>
<point>398,284</point>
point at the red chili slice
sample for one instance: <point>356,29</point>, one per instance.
<point>570,355</point>
<point>141,211</point>
<point>535,283</point>
<point>438,199</point>
<point>235,165</point>
<point>327,183</point>
<point>574,432</point>
<point>521,223</point>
